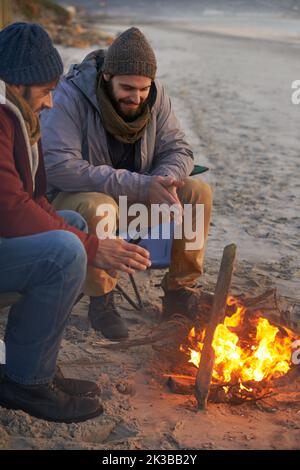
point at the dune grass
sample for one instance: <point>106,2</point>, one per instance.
<point>34,9</point>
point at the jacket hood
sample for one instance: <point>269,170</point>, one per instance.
<point>84,75</point>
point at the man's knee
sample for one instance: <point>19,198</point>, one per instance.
<point>68,252</point>
<point>195,191</point>
<point>96,205</point>
<point>74,219</point>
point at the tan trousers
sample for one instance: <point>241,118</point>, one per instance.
<point>186,265</point>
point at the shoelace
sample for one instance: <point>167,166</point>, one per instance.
<point>112,297</point>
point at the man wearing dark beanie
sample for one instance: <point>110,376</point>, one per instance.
<point>43,254</point>
<point>112,132</point>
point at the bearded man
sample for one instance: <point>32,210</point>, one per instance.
<point>111,132</point>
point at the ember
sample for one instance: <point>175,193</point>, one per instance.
<point>248,348</point>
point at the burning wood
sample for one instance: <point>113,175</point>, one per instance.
<point>240,356</point>
<point>251,355</point>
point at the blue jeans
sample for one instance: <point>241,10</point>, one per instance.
<point>49,270</point>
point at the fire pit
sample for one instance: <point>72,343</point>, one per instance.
<point>234,351</point>
<point>239,355</point>
<point>251,353</point>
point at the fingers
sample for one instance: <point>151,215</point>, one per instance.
<point>178,184</point>
<point>130,265</point>
<point>134,258</point>
<point>126,268</point>
<point>170,181</point>
<point>127,257</point>
<point>166,180</point>
<point>137,249</point>
<point>133,264</point>
<point>140,260</point>
<point>135,261</point>
<point>168,197</point>
<point>168,189</point>
<point>173,191</point>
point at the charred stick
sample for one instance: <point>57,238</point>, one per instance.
<point>204,375</point>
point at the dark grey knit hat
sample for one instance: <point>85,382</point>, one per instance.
<point>27,55</point>
<point>130,54</point>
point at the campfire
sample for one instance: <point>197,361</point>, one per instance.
<point>239,355</point>
<point>235,350</point>
<point>250,351</point>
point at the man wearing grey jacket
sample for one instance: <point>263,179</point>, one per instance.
<point>112,132</point>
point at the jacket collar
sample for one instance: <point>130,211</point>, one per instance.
<point>32,152</point>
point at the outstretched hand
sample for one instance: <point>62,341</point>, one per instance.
<point>118,255</point>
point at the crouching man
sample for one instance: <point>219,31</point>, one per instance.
<point>112,132</point>
<point>43,254</point>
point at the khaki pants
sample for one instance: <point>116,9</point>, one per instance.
<point>186,265</point>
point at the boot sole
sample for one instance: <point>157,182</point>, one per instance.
<point>78,419</point>
<point>107,336</point>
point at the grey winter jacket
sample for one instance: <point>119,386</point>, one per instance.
<point>75,146</point>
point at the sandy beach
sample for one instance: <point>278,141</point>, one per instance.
<point>229,80</point>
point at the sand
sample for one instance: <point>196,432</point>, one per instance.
<point>231,89</point>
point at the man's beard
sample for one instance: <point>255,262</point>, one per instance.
<point>117,104</point>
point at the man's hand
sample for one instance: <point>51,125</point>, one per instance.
<point>119,255</point>
<point>163,189</point>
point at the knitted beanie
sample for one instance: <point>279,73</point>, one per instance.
<point>130,54</point>
<point>27,55</point>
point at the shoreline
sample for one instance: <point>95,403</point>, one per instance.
<point>213,30</point>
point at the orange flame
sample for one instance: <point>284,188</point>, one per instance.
<point>246,348</point>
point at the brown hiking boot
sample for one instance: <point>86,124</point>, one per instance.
<point>188,302</point>
<point>48,402</point>
<point>75,387</point>
<point>104,317</point>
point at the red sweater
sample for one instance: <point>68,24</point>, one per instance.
<point>22,211</point>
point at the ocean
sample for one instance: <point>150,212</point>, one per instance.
<point>190,8</point>
<point>275,19</point>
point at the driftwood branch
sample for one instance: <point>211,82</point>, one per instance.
<point>248,302</point>
<point>204,375</point>
<point>131,343</point>
<point>168,330</point>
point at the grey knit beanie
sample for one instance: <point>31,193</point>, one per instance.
<point>27,55</point>
<point>130,54</point>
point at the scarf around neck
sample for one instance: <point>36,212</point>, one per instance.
<point>126,132</point>
<point>31,120</point>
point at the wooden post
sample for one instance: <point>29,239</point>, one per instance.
<point>5,13</point>
<point>204,375</point>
